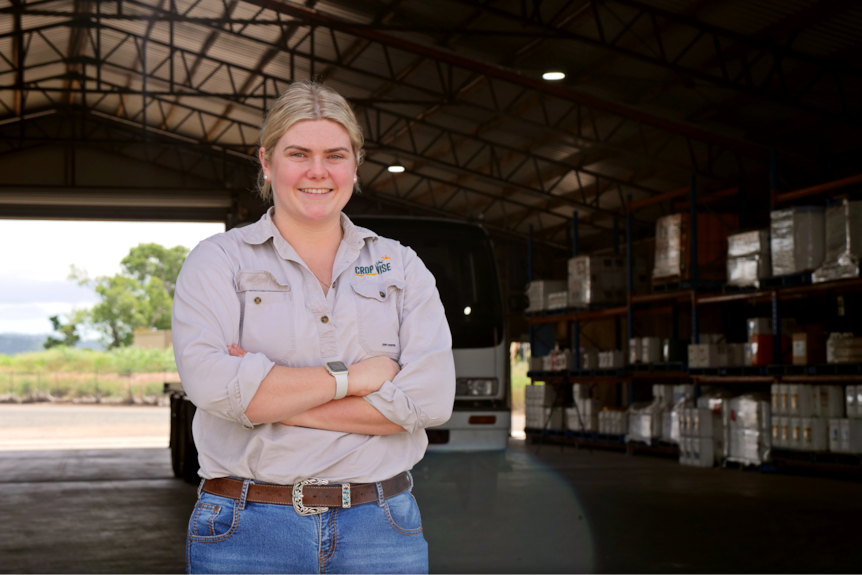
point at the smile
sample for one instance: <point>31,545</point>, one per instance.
<point>316,191</point>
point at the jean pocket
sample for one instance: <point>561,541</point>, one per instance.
<point>402,512</point>
<point>214,519</point>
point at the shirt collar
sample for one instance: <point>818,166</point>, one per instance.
<point>265,229</point>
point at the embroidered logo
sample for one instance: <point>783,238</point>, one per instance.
<point>380,267</point>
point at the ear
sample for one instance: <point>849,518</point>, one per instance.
<point>261,154</point>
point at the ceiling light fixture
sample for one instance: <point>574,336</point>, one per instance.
<point>396,168</point>
<point>553,76</point>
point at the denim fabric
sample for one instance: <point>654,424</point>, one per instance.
<point>229,536</point>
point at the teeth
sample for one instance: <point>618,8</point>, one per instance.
<point>316,190</point>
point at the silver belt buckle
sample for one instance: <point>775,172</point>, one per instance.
<point>297,497</point>
<point>305,511</point>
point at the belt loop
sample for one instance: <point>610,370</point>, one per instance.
<point>245,484</point>
<point>201,486</point>
<point>410,477</point>
<point>381,500</point>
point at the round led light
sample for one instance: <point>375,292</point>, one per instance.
<point>467,310</point>
<point>553,76</point>
<point>396,169</point>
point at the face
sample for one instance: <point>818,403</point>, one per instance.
<point>312,171</point>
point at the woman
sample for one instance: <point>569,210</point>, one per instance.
<point>305,461</point>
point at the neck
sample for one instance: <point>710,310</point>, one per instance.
<point>303,235</point>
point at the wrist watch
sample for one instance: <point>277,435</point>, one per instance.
<point>339,371</point>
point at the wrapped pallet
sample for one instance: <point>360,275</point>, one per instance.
<point>672,246</point>
<point>797,239</point>
<point>748,429</point>
<point>539,291</point>
<point>748,258</point>
<point>596,280</point>
<point>843,242</point>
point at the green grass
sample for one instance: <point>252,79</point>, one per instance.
<point>519,382</point>
<point>70,372</point>
<point>70,359</point>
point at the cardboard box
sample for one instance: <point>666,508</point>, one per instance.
<point>761,350</point>
<point>797,239</point>
<point>538,292</point>
<point>809,346</point>
<point>596,280</point>
<point>672,249</point>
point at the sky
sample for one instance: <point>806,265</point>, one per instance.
<point>38,254</point>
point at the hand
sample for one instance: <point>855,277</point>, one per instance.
<point>368,375</point>
<point>236,351</point>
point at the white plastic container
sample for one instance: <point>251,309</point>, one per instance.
<point>801,400</point>
<point>850,401</point>
<point>581,422</point>
<point>784,398</point>
<point>814,434</point>
<point>795,433</point>
<point>831,401</point>
<point>776,432</point>
<point>635,350</point>
<point>835,435</point>
<point>784,431</point>
<point>703,451</point>
<point>650,350</point>
<point>851,435</point>
<point>701,423</point>
<point>775,393</point>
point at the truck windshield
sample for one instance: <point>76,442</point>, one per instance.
<point>462,261</point>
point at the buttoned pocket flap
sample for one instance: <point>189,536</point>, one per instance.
<point>267,318</point>
<point>377,290</point>
<point>258,280</point>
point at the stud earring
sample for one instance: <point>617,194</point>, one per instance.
<point>265,177</point>
<point>354,180</point>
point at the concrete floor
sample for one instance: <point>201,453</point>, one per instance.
<point>563,510</point>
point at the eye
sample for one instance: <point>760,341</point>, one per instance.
<point>336,157</point>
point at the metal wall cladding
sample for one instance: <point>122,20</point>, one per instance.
<point>797,239</point>
<point>843,241</point>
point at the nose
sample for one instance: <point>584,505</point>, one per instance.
<point>317,170</point>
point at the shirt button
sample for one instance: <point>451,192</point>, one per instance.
<point>333,284</point>
<point>324,319</point>
<point>382,294</point>
<point>257,300</point>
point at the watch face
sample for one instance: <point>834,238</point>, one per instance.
<point>336,366</point>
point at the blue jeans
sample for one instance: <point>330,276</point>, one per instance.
<point>230,536</point>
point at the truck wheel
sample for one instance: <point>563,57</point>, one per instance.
<point>177,424</point>
<point>190,452</point>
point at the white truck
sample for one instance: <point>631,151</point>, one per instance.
<point>461,257</point>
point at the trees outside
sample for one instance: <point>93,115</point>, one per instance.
<point>67,328</point>
<point>141,296</point>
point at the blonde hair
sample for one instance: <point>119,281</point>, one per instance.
<point>306,100</point>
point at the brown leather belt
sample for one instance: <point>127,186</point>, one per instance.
<point>312,495</point>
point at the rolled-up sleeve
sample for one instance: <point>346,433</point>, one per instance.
<point>423,393</point>
<point>206,318</point>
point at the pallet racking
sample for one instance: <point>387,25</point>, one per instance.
<point>698,296</point>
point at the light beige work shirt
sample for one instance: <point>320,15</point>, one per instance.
<point>249,286</point>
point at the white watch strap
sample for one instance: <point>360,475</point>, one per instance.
<point>340,385</point>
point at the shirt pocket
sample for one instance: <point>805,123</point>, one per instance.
<point>378,319</point>
<point>268,316</point>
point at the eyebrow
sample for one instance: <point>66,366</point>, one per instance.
<point>307,151</point>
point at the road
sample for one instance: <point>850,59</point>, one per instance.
<point>39,426</point>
